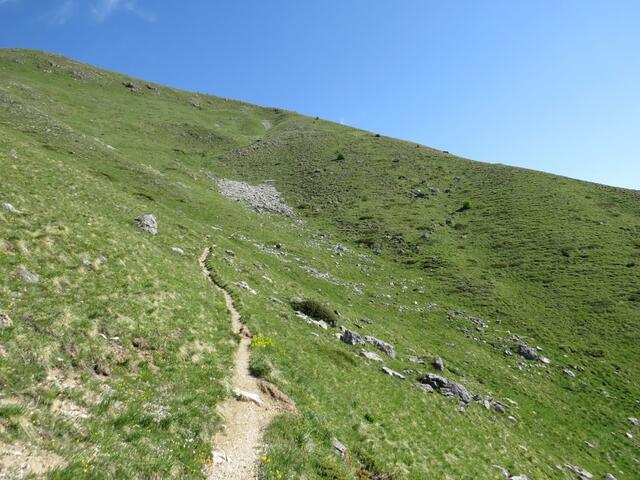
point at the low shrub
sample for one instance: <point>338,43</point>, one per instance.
<point>316,310</point>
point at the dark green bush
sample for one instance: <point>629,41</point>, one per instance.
<point>340,156</point>
<point>465,206</point>
<point>316,310</point>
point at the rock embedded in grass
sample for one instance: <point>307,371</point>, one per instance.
<point>381,345</point>
<point>351,338</point>
<point>339,447</point>
<point>393,373</point>
<point>5,320</point>
<point>371,356</point>
<point>27,276</point>
<point>148,223</point>
<point>581,472</point>
<point>11,208</point>
<point>447,387</point>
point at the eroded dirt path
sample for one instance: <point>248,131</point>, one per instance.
<point>237,448</point>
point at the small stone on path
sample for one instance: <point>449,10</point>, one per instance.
<point>244,396</point>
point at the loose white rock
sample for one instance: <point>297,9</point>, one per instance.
<point>244,396</point>
<point>393,373</point>
<point>11,208</point>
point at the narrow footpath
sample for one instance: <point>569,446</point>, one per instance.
<point>237,448</point>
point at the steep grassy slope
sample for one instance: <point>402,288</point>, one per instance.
<point>116,358</point>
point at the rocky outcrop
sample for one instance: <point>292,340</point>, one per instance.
<point>147,223</point>
<point>447,387</point>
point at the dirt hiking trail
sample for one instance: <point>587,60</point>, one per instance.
<point>237,448</point>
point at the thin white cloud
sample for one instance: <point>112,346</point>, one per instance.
<point>63,13</point>
<point>98,11</point>
<point>101,10</point>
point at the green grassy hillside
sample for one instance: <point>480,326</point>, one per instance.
<point>112,363</point>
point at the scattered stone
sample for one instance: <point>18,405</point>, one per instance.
<point>371,356</point>
<point>177,250</point>
<point>503,470</point>
<point>568,373</point>
<point>610,477</point>
<point>498,406</point>
<point>11,208</point>
<point>447,387</point>
<point>339,447</point>
<point>581,472</point>
<point>419,193</point>
<point>414,359</point>
<point>634,421</point>
<point>519,477</point>
<point>131,86</point>
<point>513,419</point>
<point>244,396</point>
<point>266,124</point>
<point>318,323</point>
<point>148,223</point>
<point>425,386</point>
<point>218,457</point>
<point>6,322</point>
<point>245,285</point>
<point>381,345</point>
<point>438,363</point>
<point>628,435</point>
<point>527,352</point>
<point>27,276</point>
<point>263,197</point>
<point>350,337</point>
<point>393,373</point>
<point>13,153</point>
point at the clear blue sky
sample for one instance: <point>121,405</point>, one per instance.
<point>552,85</point>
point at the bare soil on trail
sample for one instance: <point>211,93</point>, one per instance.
<point>237,448</point>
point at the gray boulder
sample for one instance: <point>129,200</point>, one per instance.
<point>350,337</point>
<point>148,223</point>
<point>371,356</point>
<point>527,352</point>
<point>27,276</point>
<point>424,386</point>
<point>381,345</point>
<point>447,387</point>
